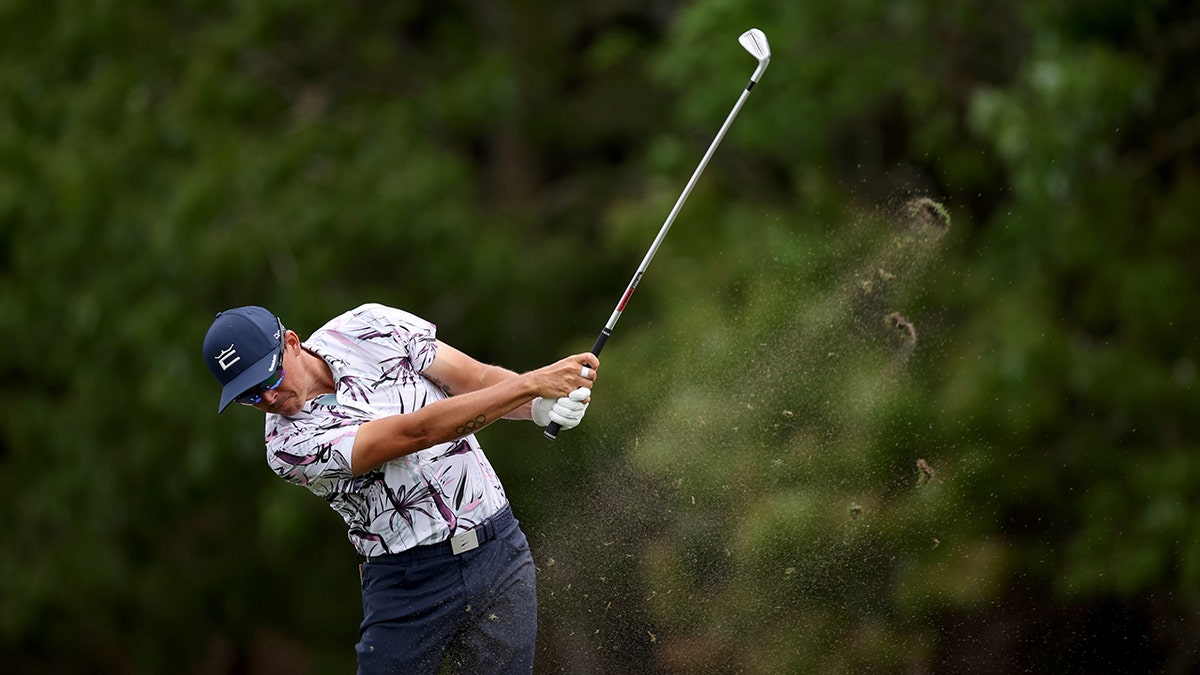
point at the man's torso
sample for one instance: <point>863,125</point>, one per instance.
<point>376,354</point>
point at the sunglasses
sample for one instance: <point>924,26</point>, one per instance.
<point>253,396</point>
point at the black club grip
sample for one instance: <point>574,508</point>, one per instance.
<point>552,429</point>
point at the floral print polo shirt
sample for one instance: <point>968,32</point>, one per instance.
<point>377,354</point>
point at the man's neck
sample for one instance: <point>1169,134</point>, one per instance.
<point>321,373</point>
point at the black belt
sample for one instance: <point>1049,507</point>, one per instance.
<point>459,543</point>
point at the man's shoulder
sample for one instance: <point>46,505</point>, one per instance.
<point>359,315</point>
<point>373,314</point>
<point>373,332</point>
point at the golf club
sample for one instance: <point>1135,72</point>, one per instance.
<point>755,42</point>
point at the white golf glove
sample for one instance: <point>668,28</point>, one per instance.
<point>567,411</point>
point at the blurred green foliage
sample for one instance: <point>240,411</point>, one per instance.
<point>746,495</point>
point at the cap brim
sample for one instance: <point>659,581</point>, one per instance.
<point>252,376</point>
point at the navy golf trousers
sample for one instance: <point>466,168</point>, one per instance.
<point>475,612</point>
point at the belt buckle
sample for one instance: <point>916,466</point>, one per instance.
<point>461,543</point>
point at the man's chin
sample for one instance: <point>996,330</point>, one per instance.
<point>288,409</point>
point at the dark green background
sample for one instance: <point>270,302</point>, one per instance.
<point>744,494</point>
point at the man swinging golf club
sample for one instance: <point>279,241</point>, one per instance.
<point>377,416</point>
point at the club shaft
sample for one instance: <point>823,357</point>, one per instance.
<point>666,227</point>
<point>551,431</point>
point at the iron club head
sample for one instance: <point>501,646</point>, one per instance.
<point>755,42</point>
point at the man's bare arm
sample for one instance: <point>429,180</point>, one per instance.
<point>490,393</point>
<point>455,373</point>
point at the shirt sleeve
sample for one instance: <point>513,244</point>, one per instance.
<point>410,335</point>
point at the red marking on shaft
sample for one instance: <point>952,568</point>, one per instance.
<point>625,298</point>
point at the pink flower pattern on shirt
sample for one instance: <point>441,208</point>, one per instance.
<point>377,354</point>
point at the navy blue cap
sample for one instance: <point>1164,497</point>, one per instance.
<point>242,348</point>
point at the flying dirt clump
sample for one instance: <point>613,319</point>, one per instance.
<point>906,330</point>
<point>926,212</point>
<point>925,472</point>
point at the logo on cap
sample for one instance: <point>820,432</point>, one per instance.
<point>224,358</point>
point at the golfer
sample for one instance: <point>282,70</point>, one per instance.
<point>377,416</point>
